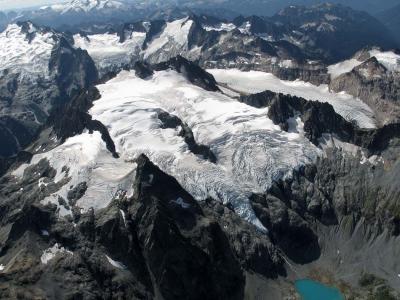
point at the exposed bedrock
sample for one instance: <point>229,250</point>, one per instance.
<point>376,86</point>
<point>350,210</point>
<point>73,119</point>
<point>171,121</point>
<point>191,71</point>
<point>159,244</point>
<point>320,118</point>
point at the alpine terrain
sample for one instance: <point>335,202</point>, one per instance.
<point>181,150</point>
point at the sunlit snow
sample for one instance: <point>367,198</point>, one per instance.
<point>251,150</point>
<point>389,59</point>
<point>172,41</point>
<point>248,145</point>
<point>220,27</point>
<point>352,109</point>
<point>27,57</point>
<point>106,49</point>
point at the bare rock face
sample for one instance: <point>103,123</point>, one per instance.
<point>161,243</point>
<point>351,207</point>
<point>320,118</point>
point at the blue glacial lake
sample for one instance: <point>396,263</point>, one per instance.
<point>312,290</point>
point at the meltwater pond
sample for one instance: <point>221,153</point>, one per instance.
<point>312,290</point>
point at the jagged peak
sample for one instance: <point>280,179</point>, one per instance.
<point>193,72</point>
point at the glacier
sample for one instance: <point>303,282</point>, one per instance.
<point>251,151</point>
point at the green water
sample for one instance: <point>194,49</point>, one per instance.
<point>312,290</point>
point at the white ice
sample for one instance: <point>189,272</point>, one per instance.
<point>247,143</point>
<point>388,59</point>
<point>343,67</point>
<point>107,51</point>
<point>251,150</point>
<point>19,55</point>
<point>349,107</point>
<point>88,161</point>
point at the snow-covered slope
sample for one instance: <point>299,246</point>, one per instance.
<point>85,6</point>
<point>389,59</point>
<point>349,107</point>
<point>26,50</point>
<point>172,41</point>
<point>247,144</point>
<point>39,69</point>
<point>108,51</point>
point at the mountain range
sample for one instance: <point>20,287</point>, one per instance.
<point>173,154</point>
<point>79,11</point>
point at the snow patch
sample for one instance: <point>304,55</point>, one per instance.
<point>123,216</point>
<point>221,27</point>
<point>84,6</point>
<point>343,67</point>
<point>44,233</point>
<point>50,253</point>
<point>116,264</point>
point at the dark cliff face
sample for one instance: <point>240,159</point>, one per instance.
<point>345,211</point>
<point>159,242</point>
<point>73,118</point>
<point>320,118</point>
<point>192,72</point>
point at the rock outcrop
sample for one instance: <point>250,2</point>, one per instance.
<point>160,243</point>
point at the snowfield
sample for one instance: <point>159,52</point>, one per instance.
<point>18,54</point>
<point>172,41</point>
<point>251,150</point>
<point>389,59</point>
<point>84,6</point>
<point>352,109</point>
<point>87,160</point>
<point>107,51</point>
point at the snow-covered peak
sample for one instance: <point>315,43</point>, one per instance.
<point>26,49</point>
<point>85,6</point>
<point>389,59</point>
<point>173,40</point>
